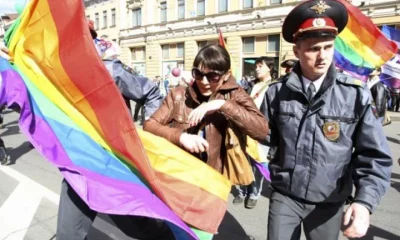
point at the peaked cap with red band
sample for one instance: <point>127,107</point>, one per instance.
<point>315,18</point>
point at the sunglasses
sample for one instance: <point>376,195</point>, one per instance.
<point>212,77</point>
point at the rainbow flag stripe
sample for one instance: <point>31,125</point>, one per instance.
<point>361,46</point>
<point>73,113</point>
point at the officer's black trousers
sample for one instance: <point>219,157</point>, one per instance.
<point>75,219</point>
<point>286,216</point>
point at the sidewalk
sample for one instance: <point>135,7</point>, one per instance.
<point>394,116</point>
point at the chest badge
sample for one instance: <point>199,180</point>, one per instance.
<point>331,131</point>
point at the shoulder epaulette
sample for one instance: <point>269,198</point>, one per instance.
<point>129,69</point>
<point>274,82</point>
<point>349,80</point>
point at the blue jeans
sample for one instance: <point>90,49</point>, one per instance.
<point>253,191</point>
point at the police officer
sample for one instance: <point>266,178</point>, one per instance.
<point>324,136</point>
<point>288,64</point>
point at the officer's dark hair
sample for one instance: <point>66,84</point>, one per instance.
<point>213,57</point>
<point>269,62</point>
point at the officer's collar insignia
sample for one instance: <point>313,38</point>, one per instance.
<point>319,22</point>
<point>331,130</point>
<point>320,7</point>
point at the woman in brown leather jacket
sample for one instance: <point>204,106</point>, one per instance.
<point>196,117</point>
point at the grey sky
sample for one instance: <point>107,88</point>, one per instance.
<point>7,6</point>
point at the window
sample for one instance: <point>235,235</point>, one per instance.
<point>181,9</point>
<point>248,44</point>
<point>273,43</point>
<point>96,20</point>
<point>181,49</point>
<point>275,1</point>
<point>134,54</point>
<point>136,17</point>
<point>104,19</point>
<point>222,5</point>
<point>138,53</point>
<point>165,51</point>
<point>201,44</point>
<point>113,17</point>
<point>201,8</point>
<point>247,4</point>
<point>163,13</point>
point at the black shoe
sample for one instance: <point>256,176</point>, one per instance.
<point>251,203</point>
<point>238,200</point>
<point>4,157</point>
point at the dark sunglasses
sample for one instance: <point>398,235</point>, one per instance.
<point>212,77</point>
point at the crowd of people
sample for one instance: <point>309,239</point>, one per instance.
<point>312,125</point>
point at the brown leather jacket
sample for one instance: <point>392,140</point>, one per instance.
<point>170,120</point>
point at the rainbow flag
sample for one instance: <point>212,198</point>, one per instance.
<point>73,113</point>
<point>361,47</point>
<point>391,70</point>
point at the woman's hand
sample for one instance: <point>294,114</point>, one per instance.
<point>193,143</point>
<point>198,114</point>
<point>4,51</point>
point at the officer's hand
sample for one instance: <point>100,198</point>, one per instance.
<point>359,217</point>
<point>4,51</point>
<point>193,143</point>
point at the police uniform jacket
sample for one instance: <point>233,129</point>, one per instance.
<point>134,87</point>
<point>319,149</point>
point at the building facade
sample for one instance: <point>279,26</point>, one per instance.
<point>156,35</point>
<point>107,16</point>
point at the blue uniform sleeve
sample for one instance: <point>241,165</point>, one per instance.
<point>267,109</point>
<point>371,159</point>
<point>137,88</point>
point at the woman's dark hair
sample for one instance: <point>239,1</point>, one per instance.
<point>269,62</point>
<point>213,57</point>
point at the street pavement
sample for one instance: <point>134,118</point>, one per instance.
<point>29,189</point>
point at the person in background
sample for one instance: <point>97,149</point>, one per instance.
<point>395,94</point>
<point>251,193</point>
<point>379,94</point>
<point>245,83</point>
<point>288,64</point>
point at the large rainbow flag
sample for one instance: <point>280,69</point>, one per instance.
<point>74,115</point>
<point>361,46</point>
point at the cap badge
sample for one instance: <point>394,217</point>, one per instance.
<point>320,7</point>
<point>319,22</point>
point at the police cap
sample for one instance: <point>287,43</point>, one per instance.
<point>315,18</point>
<point>288,63</point>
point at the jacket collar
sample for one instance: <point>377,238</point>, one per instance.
<point>294,81</point>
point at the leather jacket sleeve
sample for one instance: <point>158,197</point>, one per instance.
<point>134,87</point>
<point>158,123</point>
<point>371,160</point>
<point>378,92</point>
<point>242,111</point>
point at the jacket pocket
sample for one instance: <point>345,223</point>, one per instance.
<point>284,117</point>
<point>338,119</point>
